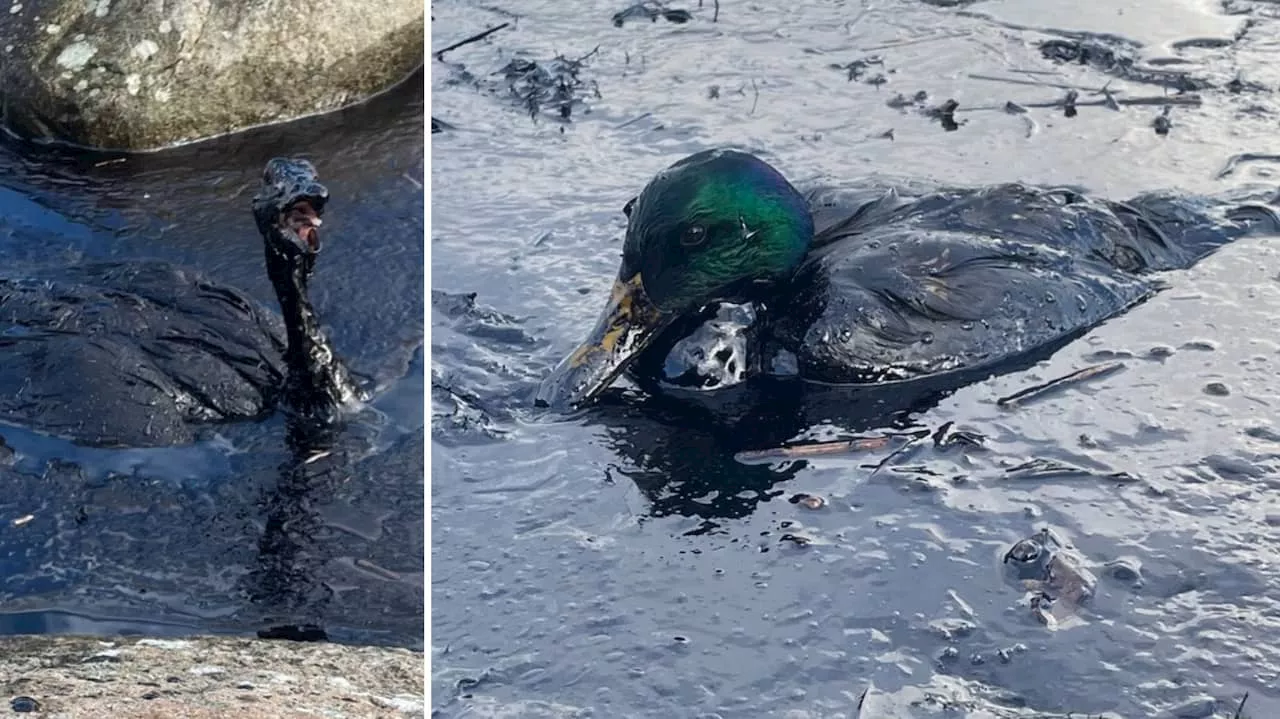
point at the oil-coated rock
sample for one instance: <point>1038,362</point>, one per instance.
<point>143,74</point>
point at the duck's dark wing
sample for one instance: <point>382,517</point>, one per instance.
<point>918,303</point>
<point>133,354</point>
<point>960,280</point>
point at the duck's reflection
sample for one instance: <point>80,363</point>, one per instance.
<point>680,449</point>
<point>287,582</point>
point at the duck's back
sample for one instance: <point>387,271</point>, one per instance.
<point>954,280</point>
<point>133,354</point>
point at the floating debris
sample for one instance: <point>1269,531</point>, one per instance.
<point>1235,160</point>
<point>1039,468</point>
<point>651,11</point>
<point>798,540</point>
<point>808,501</point>
<point>474,38</point>
<point>23,520</point>
<point>902,102</point>
<point>317,456</point>
<point>554,84</point>
<point>1240,708</point>
<point>1108,100</point>
<point>948,436</point>
<point>861,444</point>
<point>1069,104</point>
<point>1118,62</point>
<point>1039,391</point>
<point>1216,389</point>
<point>1162,123</point>
<point>857,68</point>
<point>946,114</point>
<point>1055,575</point>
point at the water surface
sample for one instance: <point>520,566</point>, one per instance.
<point>624,563</point>
<point>218,536</point>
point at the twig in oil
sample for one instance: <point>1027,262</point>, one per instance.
<point>1108,101</point>
<point>633,120</point>
<point>1245,157</point>
<point>1240,708</point>
<point>911,441</point>
<point>474,38</point>
<point>815,449</point>
<point>1077,377</point>
<point>1033,83</point>
<point>916,41</point>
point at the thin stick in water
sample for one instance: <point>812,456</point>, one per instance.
<point>815,449</point>
<point>1077,377</point>
<point>756,99</point>
<point>633,120</point>
<point>1245,157</point>
<point>1187,100</point>
<point>1033,83</point>
<point>1240,708</point>
<point>474,38</point>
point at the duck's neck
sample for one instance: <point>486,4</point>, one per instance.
<point>318,383</point>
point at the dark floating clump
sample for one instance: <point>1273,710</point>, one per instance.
<point>1069,104</point>
<point>1162,123</point>
<point>1216,389</point>
<point>857,70</point>
<point>554,86</point>
<point>651,11</point>
<point>1240,85</point>
<point>808,501</point>
<point>1118,62</point>
<point>440,126</point>
<point>902,102</point>
<point>946,114</point>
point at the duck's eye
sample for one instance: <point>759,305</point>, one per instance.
<point>626,209</point>
<point>694,235</point>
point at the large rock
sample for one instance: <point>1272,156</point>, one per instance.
<point>68,677</point>
<point>144,74</point>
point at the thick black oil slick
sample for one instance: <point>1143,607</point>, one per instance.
<point>300,524</point>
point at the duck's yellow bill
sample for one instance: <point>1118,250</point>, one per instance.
<point>630,321</point>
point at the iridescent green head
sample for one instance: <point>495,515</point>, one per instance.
<point>712,225</point>
<point>720,225</point>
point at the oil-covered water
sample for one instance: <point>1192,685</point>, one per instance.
<point>625,562</point>
<point>218,536</point>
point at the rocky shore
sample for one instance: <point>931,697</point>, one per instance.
<point>69,677</point>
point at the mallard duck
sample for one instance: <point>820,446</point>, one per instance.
<point>893,287</point>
